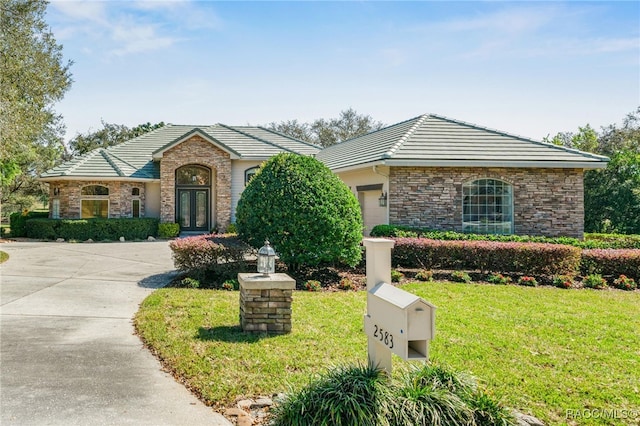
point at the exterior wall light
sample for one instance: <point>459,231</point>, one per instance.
<point>382,201</point>
<point>266,260</point>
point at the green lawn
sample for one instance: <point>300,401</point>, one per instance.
<point>541,350</point>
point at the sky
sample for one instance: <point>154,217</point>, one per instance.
<point>528,68</point>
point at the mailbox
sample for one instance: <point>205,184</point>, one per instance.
<point>400,321</point>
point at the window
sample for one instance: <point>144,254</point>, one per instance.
<point>487,207</point>
<point>193,175</point>
<point>249,174</point>
<point>135,208</point>
<point>55,209</point>
<point>95,202</point>
<point>135,192</point>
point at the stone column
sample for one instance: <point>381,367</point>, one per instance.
<point>265,302</point>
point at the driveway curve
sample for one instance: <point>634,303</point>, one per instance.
<point>68,353</point>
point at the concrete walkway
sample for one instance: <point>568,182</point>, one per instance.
<point>68,355</point>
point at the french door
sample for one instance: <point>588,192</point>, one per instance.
<point>193,209</point>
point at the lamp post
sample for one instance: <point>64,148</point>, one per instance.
<point>266,259</point>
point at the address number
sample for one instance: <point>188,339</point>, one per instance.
<point>383,335</point>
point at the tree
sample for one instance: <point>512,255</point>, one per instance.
<point>612,195</point>
<point>109,135</point>
<point>325,133</point>
<point>307,213</point>
<point>34,77</point>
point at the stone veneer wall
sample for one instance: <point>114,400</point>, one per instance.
<point>120,198</point>
<point>547,202</point>
<point>196,150</point>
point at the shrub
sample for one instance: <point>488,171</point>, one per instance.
<point>202,253</point>
<point>460,277</point>
<point>594,281</point>
<point>527,281</point>
<point>312,285</point>
<point>489,412</point>
<point>168,230</point>
<point>346,284</point>
<point>95,229</point>
<point>189,282</point>
<point>424,275</point>
<point>231,229</point>
<point>344,396</point>
<point>18,221</point>
<point>498,278</point>
<point>309,215</point>
<point>611,262</point>
<point>562,281</point>
<point>231,285</point>
<point>396,276</point>
<point>532,258</point>
<point>625,283</point>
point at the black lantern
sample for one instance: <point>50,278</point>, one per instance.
<point>266,259</point>
<point>382,201</point>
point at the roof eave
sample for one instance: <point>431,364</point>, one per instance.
<point>97,178</point>
<point>498,163</point>
<point>158,154</point>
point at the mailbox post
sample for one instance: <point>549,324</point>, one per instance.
<point>396,321</point>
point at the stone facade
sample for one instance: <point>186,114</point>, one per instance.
<point>265,302</point>
<point>198,151</point>
<point>547,202</point>
<point>69,194</point>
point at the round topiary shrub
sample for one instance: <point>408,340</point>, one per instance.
<point>307,213</point>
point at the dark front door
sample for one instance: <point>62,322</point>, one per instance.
<point>193,209</point>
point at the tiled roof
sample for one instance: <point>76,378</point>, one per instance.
<point>433,140</point>
<point>134,158</point>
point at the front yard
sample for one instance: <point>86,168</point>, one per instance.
<point>544,351</point>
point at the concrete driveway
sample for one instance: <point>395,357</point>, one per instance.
<point>68,355</point>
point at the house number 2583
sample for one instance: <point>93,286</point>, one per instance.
<point>383,335</point>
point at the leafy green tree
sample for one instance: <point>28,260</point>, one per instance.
<point>325,133</point>
<point>109,135</point>
<point>307,213</point>
<point>34,77</point>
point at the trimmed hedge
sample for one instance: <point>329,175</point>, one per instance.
<point>202,253</point>
<point>95,229</point>
<point>18,221</point>
<point>611,262</point>
<point>591,241</point>
<point>486,256</point>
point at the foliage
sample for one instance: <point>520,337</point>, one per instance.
<point>527,281</point>
<point>231,285</point>
<point>594,281</point>
<point>618,241</point>
<point>231,229</point>
<point>562,281</point>
<point>460,277</point>
<point>18,221</point>
<point>325,133</point>
<point>189,282</point>
<point>498,278</point>
<point>543,332</point>
<point>346,395</point>
<point>424,275</point>
<point>346,284</point>
<point>4,256</point>
<point>95,229</point>
<point>625,283</point>
<point>199,254</point>
<point>168,230</point>
<point>312,285</point>
<point>309,215</point>
<point>109,135</point>
<point>533,258</point>
<point>396,276</point>
<point>611,262</point>
<point>34,78</point>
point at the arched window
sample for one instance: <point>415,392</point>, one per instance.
<point>193,175</point>
<point>249,174</point>
<point>94,202</point>
<point>135,192</point>
<point>487,207</point>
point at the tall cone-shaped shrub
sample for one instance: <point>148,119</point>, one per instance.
<point>307,213</point>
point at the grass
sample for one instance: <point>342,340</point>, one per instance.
<point>540,350</point>
<point>4,256</point>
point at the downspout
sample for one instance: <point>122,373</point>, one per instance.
<point>385,183</point>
